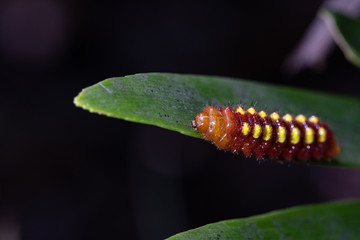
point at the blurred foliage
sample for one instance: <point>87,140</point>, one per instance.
<point>346,32</point>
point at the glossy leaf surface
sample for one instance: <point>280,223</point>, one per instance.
<point>172,100</point>
<point>323,221</point>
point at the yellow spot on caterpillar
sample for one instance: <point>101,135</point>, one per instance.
<point>274,116</point>
<point>300,118</point>
<point>240,110</point>
<point>245,129</point>
<point>281,134</point>
<point>309,135</point>
<point>257,131</point>
<point>251,110</point>
<point>314,119</point>
<point>295,135</point>
<point>267,132</point>
<point>287,118</point>
<point>262,114</point>
<point>321,135</point>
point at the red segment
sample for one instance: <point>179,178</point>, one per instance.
<point>291,150</point>
<point>263,146</point>
<point>240,139</point>
<point>305,149</point>
<point>253,119</point>
<point>317,147</point>
<point>277,148</point>
<point>247,147</point>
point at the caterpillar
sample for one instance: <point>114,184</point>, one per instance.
<point>280,138</point>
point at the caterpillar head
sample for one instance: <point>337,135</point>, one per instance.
<point>201,122</point>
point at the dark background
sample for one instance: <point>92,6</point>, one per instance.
<point>69,174</point>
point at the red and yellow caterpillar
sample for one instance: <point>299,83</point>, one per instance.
<point>285,138</point>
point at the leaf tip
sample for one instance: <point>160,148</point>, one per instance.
<point>79,103</point>
<point>76,100</point>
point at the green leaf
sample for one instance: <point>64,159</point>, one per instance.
<point>346,32</point>
<point>172,100</point>
<point>339,220</point>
